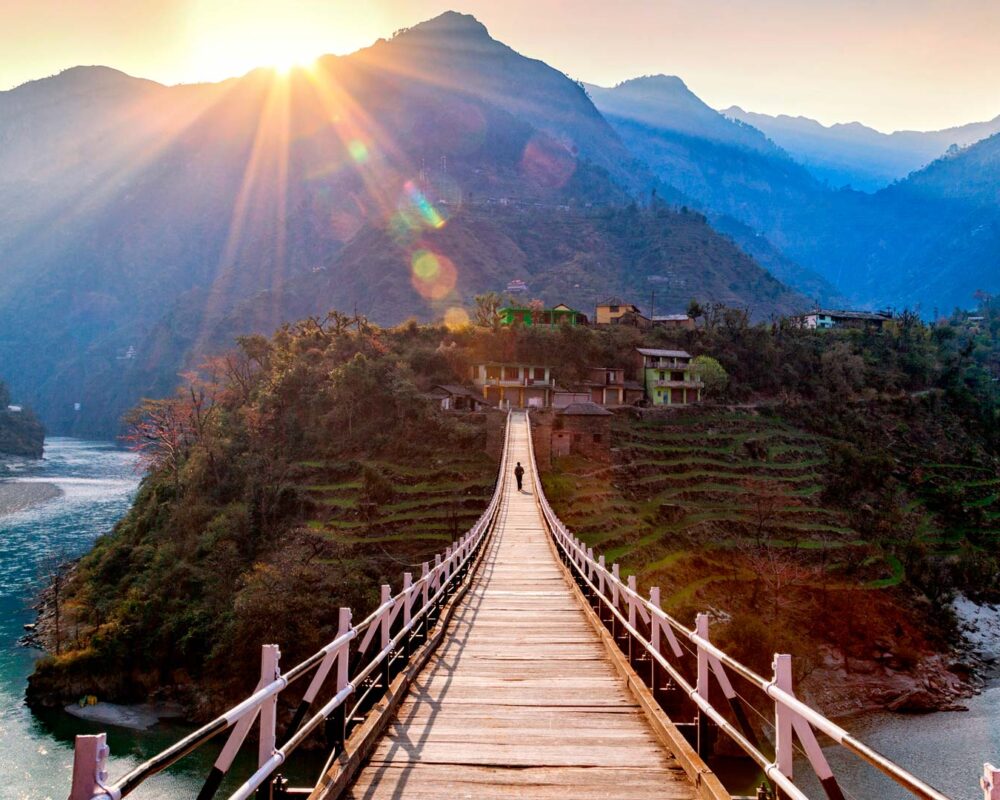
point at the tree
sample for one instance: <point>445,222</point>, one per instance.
<point>713,374</point>
<point>160,431</point>
<point>488,309</point>
<point>695,310</point>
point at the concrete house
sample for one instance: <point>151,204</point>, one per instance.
<point>615,311</point>
<point>582,429</point>
<point>668,376</point>
<point>454,397</point>
<point>675,321</point>
<point>824,319</point>
<point>514,385</point>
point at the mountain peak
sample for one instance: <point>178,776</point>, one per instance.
<point>452,23</point>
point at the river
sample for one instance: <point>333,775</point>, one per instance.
<point>98,482</point>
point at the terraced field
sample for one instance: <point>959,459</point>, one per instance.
<point>694,491</point>
<point>411,509</point>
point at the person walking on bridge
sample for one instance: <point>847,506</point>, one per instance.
<point>519,474</point>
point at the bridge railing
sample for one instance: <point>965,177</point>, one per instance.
<point>685,671</point>
<point>362,660</point>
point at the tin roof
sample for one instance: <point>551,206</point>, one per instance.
<point>649,351</point>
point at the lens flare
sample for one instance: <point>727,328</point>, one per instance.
<point>433,275</point>
<point>429,215</point>
<point>358,151</point>
<point>456,317</point>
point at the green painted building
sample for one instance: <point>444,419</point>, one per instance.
<point>557,315</point>
<point>668,377</point>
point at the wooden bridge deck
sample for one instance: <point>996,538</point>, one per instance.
<point>520,699</point>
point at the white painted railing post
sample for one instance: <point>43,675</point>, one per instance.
<point>701,687</point>
<point>269,657</point>
<point>614,584</point>
<point>631,601</point>
<point>990,782</point>
<point>784,747</point>
<point>407,597</point>
<point>425,570</point>
<point>90,761</point>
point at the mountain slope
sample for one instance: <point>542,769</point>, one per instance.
<point>854,154</point>
<point>147,214</point>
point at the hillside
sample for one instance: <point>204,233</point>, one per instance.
<point>862,465</point>
<point>137,218</point>
<point>852,493</point>
<point>21,434</point>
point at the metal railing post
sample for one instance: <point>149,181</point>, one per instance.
<point>90,761</point>
<point>386,635</point>
<point>654,640</point>
<point>269,672</point>
<point>784,746</point>
<point>631,620</point>
<point>407,615</point>
<point>701,628</point>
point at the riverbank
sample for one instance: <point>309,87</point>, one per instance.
<point>20,495</point>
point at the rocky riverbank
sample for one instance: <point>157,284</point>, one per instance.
<point>890,681</point>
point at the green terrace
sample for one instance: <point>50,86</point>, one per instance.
<point>410,507</point>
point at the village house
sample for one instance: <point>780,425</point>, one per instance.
<point>557,315</point>
<point>615,311</point>
<point>514,385</point>
<point>674,321</point>
<point>608,387</point>
<point>824,319</point>
<point>582,429</point>
<point>454,397</point>
<point>668,376</point>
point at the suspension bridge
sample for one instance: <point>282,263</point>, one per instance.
<point>516,665</point>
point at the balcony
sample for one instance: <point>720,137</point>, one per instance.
<point>667,364</point>
<point>696,383</point>
<point>538,383</point>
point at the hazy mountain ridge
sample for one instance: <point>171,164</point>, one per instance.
<point>855,154</point>
<point>926,241</point>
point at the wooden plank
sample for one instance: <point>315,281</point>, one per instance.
<point>521,700</point>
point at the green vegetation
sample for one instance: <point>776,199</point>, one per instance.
<point>21,434</point>
<point>850,482</point>
<point>842,482</point>
<point>287,479</point>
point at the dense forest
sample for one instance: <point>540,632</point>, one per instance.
<point>295,474</point>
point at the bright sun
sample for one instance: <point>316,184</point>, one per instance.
<point>230,38</point>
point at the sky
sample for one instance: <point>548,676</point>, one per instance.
<point>891,64</point>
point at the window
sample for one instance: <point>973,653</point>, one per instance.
<point>614,309</point>
<point>493,373</point>
<point>676,376</point>
<point>511,373</point>
<point>663,375</point>
<point>597,438</point>
<point>538,373</point>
